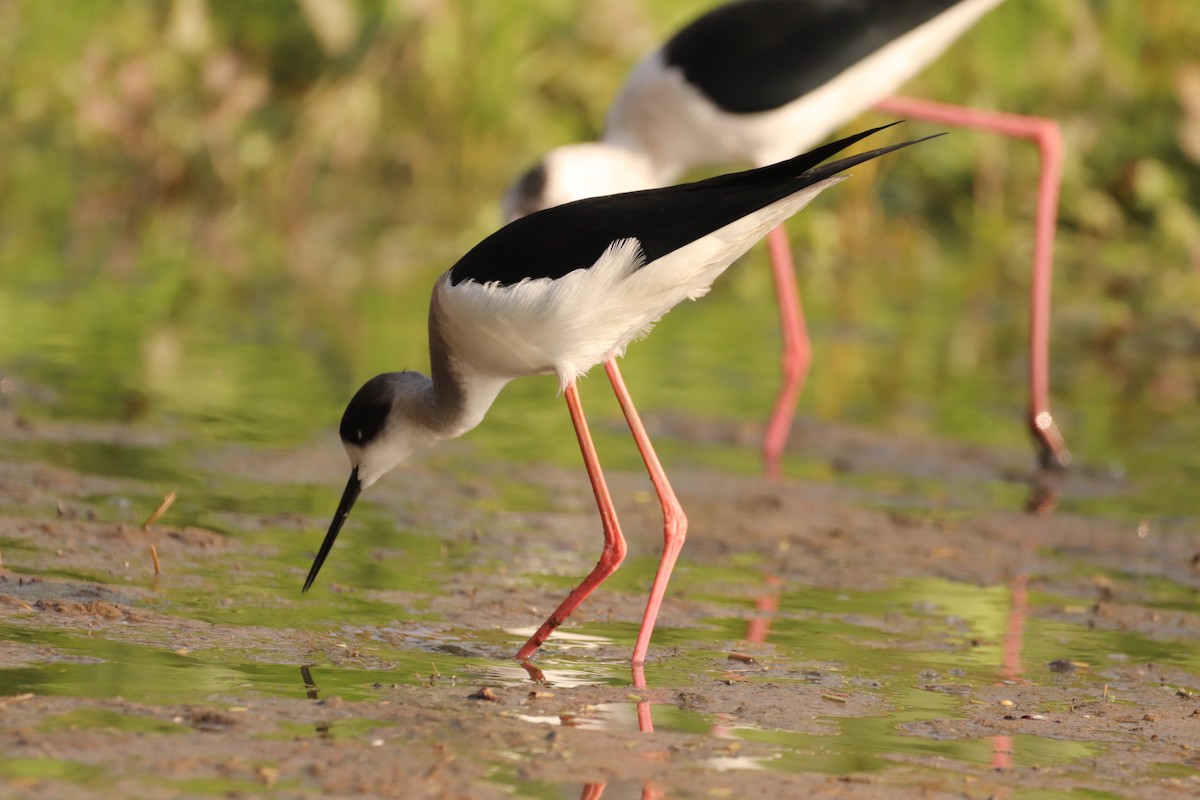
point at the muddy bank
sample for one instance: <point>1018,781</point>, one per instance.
<point>821,638</point>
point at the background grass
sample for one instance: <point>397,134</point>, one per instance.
<point>229,214</point>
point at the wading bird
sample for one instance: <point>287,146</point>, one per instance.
<point>559,292</point>
<point>760,80</point>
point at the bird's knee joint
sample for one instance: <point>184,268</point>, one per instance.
<point>676,527</point>
<point>614,553</point>
<point>796,360</point>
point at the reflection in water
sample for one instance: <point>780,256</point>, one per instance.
<point>310,691</point>
<point>1043,490</point>
<point>1010,666</point>
<point>593,791</point>
<point>766,604</point>
<point>811,626</point>
<point>309,685</point>
<point>758,629</point>
<point>1003,747</point>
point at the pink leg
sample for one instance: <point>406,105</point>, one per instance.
<point>1052,448</point>
<point>674,520</point>
<point>796,355</point>
<point>645,725</point>
<point>614,543</point>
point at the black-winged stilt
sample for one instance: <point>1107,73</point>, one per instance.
<point>760,80</point>
<point>559,292</point>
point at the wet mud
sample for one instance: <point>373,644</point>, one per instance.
<point>838,637</point>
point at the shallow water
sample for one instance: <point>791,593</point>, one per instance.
<point>281,383</point>
<point>916,649</point>
<point>375,608</point>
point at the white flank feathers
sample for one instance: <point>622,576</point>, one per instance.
<point>570,324</point>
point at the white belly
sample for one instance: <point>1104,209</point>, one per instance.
<point>570,324</point>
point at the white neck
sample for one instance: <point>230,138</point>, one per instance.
<point>461,394</point>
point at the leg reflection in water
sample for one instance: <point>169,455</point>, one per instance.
<point>594,791</point>
<point>1010,661</point>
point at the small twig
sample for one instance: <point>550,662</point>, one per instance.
<point>154,555</point>
<point>158,512</point>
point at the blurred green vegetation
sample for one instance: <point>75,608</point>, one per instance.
<point>229,213</point>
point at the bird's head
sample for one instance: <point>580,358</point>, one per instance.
<point>381,427</point>
<point>574,172</point>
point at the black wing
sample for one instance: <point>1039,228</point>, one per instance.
<point>756,55</point>
<point>559,240</point>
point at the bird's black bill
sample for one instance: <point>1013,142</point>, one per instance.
<point>353,490</point>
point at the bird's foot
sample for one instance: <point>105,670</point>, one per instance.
<point>1053,460</point>
<point>535,674</point>
<point>1052,452</point>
